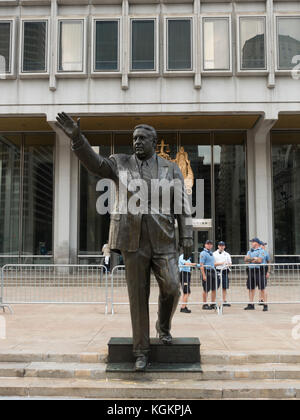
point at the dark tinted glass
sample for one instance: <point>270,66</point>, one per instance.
<point>179,45</point>
<point>143,41</point>
<point>4,47</point>
<point>34,47</point>
<point>106,48</point>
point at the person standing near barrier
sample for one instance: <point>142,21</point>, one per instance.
<point>222,263</point>
<point>265,272</point>
<point>185,279</point>
<point>145,238</point>
<point>106,255</point>
<point>254,259</point>
<point>209,281</point>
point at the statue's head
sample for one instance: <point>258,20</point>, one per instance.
<point>144,141</point>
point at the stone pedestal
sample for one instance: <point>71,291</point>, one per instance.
<point>183,355</point>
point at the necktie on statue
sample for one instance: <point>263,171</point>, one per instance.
<point>147,176</point>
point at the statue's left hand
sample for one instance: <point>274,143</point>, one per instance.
<point>188,246</point>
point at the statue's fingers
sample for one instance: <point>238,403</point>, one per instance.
<point>67,117</point>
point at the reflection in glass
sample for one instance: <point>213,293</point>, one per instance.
<point>10,153</point>
<point>216,44</point>
<point>286,193</point>
<point>230,197</point>
<point>38,196</point>
<point>143,45</point>
<point>179,44</point>
<point>252,42</point>
<point>34,46</point>
<point>288,41</point>
<point>71,45</point>
<point>5,40</point>
<point>106,45</point>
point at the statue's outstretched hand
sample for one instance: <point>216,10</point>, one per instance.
<point>68,125</point>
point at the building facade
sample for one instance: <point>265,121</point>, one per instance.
<point>221,79</point>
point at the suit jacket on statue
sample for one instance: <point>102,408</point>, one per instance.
<point>125,228</point>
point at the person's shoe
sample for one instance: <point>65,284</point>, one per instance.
<point>141,363</point>
<point>227,304</point>
<point>250,307</point>
<point>261,302</point>
<point>206,307</point>
<point>265,309</point>
<point>185,310</point>
<point>213,306</point>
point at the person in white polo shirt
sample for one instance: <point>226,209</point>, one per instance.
<point>222,263</point>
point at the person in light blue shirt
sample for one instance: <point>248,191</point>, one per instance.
<point>265,272</point>
<point>254,259</point>
<point>207,266</point>
<point>185,279</point>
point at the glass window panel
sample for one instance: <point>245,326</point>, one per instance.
<point>34,46</point>
<point>10,155</point>
<point>230,197</point>
<point>5,45</point>
<point>286,194</point>
<point>252,43</point>
<point>288,41</point>
<point>179,44</point>
<point>71,46</point>
<point>198,149</point>
<point>216,44</point>
<point>106,45</point>
<point>94,228</point>
<point>143,45</point>
<point>38,195</point>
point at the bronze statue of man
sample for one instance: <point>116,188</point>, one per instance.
<point>146,241</point>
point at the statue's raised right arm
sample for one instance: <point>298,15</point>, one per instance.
<point>94,162</point>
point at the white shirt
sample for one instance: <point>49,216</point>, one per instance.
<point>222,257</point>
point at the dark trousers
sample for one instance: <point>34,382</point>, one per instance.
<point>138,267</point>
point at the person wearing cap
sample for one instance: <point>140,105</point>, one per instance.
<point>222,263</point>
<point>185,266</point>
<point>207,267</point>
<point>265,274</point>
<point>254,259</point>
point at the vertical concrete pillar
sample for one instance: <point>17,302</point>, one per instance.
<point>260,209</point>
<point>65,201</point>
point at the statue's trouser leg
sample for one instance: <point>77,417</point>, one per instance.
<point>165,269</point>
<point>138,266</point>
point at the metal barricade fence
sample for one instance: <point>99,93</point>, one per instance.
<point>67,284</point>
<point>281,286</point>
<point>119,294</point>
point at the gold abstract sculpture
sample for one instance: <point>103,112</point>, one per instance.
<point>182,161</point>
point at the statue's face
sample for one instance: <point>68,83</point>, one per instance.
<point>143,143</point>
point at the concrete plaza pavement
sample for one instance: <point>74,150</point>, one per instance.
<point>68,329</point>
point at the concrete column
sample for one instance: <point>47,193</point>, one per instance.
<point>260,209</point>
<point>65,201</point>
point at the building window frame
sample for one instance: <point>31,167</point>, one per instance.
<point>155,71</point>
<point>103,73</point>
<point>277,16</point>
<point>216,72</point>
<point>11,73</point>
<point>251,72</point>
<point>39,73</point>
<point>65,73</point>
<point>178,72</point>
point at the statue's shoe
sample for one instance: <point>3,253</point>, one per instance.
<point>141,363</point>
<point>166,339</point>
